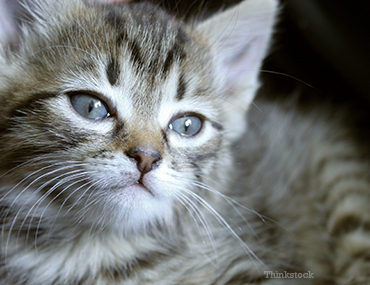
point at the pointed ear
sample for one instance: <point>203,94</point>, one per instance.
<point>19,17</point>
<point>9,32</point>
<point>16,17</point>
<point>240,39</point>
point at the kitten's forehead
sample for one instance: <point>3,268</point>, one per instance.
<point>129,51</point>
<point>150,40</point>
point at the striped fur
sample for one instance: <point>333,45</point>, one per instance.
<point>125,199</point>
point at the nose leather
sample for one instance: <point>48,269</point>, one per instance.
<point>146,160</point>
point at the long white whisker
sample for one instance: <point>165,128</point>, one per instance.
<point>33,160</point>
<point>15,218</point>
<point>201,218</point>
<point>43,197</point>
<point>27,177</point>
<point>65,200</point>
<point>60,183</point>
<point>198,214</point>
<point>82,195</point>
<point>34,193</point>
<point>223,222</point>
<point>232,202</point>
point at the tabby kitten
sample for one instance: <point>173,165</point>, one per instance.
<point>126,157</point>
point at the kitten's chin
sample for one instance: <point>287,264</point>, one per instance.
<point>138,207</point>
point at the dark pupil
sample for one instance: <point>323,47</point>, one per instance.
<point>187,124</point>
<point>91,106</point>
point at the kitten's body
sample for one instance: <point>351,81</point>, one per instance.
<point>126,199</point>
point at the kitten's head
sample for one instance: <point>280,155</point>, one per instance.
<point>115,116</point>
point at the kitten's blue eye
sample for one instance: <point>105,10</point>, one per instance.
<point>89,106</point>
<point>187,126</point>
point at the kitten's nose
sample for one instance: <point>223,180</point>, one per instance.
<point>146,160</point>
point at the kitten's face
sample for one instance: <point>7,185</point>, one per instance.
<point>114,115</point>
<point>122,117</point>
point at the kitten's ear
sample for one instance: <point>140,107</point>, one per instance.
<point>240,39</point>
<point>18,18</point>
<point>8,27</point>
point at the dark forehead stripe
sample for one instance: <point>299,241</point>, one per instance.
<point>113,72</point>
<point>177,52</point>
<point>133,48</point>
<point>181,88</point>
<point>115,20</point>
<point>118,23</point>
<point>157,63</point>
<point>181,39</point>
<point>168,62</point>
<point>136,54</point>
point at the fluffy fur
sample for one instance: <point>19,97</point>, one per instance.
<point>126,198</point>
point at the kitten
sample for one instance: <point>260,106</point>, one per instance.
<point>126,157</point>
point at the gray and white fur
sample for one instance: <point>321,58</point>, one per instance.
<point>126,156</point>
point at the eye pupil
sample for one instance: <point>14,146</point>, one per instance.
<point>89,106</point>
<point>187,126</point>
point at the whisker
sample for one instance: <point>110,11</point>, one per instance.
<point>198,214</point>
<point>34,181</point>
<point>82,195</point>
<point>66,199</point>
<point>232,202</point>
<point>42,198</point>
<point>15,218</point>
<point>223,222</point>
<point>45,195</point>
<point>186,200</point>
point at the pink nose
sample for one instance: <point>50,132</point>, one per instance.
<point>146,160</point>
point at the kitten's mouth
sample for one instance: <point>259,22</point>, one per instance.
<point>140,184</point>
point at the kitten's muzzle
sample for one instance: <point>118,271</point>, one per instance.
<point>146,160</point>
